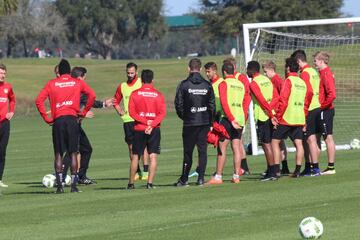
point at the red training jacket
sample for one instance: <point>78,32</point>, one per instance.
<point>267,107</point>
<point>277,82</point>
<point>247,97</point>
<point>147,103</point>
<point>64,96</point>
<point>327,92</point>
<point>284,97</point>
<point>7,98</point>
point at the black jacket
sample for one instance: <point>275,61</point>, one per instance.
<point>83,101</point>
<point>195,101</point>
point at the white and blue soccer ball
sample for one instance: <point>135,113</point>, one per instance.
<point>355,143</point>
<point>49,180</point>
<point>311,228</point>
<point>68,180</point>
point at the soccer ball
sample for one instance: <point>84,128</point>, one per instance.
<point>49,180</point>
<point>355,143</point>
<point>311,228</point>
<point>67,180</point>
<point>323,146</point>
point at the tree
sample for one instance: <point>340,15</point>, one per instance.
<point>8,6</point>
<point>106,24</point>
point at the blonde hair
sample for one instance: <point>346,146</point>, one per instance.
<point>269,64</point>
<point>324,56</point>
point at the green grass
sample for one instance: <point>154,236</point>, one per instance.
<point>249,210</point>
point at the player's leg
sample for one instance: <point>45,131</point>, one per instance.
<point>153,146</point>
<point>129,138</point>
<point>201,144</point>
<point>327,118</point>
<point>314,154</point>
<point>296,136</point>
<point>284,163</point>
<point>138,145</point>
<point>4,139</point>
<point>244,163</point>
<point>189,135</point>
<point>72,147</point>
<point>58,137</point>
<point>235,146</point>
<point>85,150</point>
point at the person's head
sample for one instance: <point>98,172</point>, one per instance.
<point>131,71</point>
<point>252,68</point>
<point>227,69</point>
<point>64,67</point>
<point>2,72</point>
<point>56,71</point>
<point>269,68</point>
<point>291,65</point>
<point>210,70</point>
<point>79,72</point>
<point>321,59</point>
<point>147,76</point>
<point>230,60</point>
<point>300,57</point>
<point>195,65</point>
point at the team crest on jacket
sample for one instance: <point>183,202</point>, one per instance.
<point>6,90</point>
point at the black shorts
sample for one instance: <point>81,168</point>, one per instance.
<point>129,132</point>
<point>283,131</point>
<point>264,131</point>
<point>233,133</point>
<point>142,141</point>
<point>313,123</point>
<point>65,133</point>
<point>327,120</point>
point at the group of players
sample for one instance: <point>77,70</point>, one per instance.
<point>214,111</point>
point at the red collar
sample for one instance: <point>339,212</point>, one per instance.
<point>215,79</point>
<point>292,74</point>
<point>256,74</point>
<point>306,66</point>
<point>230,77</point>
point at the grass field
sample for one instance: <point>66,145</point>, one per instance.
<point>249,210</point>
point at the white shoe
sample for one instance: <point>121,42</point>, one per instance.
<point>328,171</point>
<point>3,184</point>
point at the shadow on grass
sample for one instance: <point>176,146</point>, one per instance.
<point>28,193</point>
<point>112,179</point>
<point>110,188</point>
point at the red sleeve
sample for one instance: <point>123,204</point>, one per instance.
<point>260,98</point>
<point>247,96</point>
<point>40,99</point>
<point>309,95</point>
<point>12,101</point>
<point>160,115</point>
<point>283,100</point>
<point>277,82</point>
<point>330,90</point>
<point>305,76</point>
<point>133,111</point>
<point>91,97</point>
<point>118,95</point>
<point>224,102</point>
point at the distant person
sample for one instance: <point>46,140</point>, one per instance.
<point>147,107</point>
<point>7,109</point>
<point>64,95</point>
<point>327,95</point>
<point>195,105</point>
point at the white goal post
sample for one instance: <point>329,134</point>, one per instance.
<point>276,41</point>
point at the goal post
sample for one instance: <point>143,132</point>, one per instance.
<point>277,40</point>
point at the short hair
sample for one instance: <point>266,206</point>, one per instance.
<point>322,56</point>
<point>228,68</point>
<point>253,66</point>
<point>147,76</point>
<point>56,69</point>
<point>269,64</point>
<point>230,60</point>
<point>64,67</point>
<point>3,67</point>
<point>195,64</point>
<point>130,65</point>
<point>292,64</point>
<point>77,72</point>
<point>210,65</point>
<point>299,55</point>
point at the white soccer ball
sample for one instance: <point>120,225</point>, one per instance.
<point>323,146</point>
<point>311,228</point>
<point>355,143</point>
<point>49,180</point>
<point>68,180</point>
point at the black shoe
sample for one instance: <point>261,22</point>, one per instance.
<point>265,172</point>
<point>285,171</point>
<point>200,182</point>
<point>295,175</point>
<point>306,172</point>
<point>268,177</point>
<point>87,181</point>
<point>130,186</point>
<point>59,190</point>
<point>180,183</point>
<point>150,186</point>
<point>75,190</point>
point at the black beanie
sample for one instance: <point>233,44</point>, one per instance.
<point>64,67</point>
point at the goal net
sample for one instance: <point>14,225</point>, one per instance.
<point>339,40</point>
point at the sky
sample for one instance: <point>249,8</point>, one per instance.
<point>180,7</point>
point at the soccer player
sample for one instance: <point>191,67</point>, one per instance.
<point>64,95</point>
<point>195,105</point>
<point>147,107</point>
<point>85,148</point>
<point>232,95</point>
<point>215,80</point>
<point>289,120</point>
<point>269,68</point>
<point>122,95</point>
<point>310,143</point>
<point>247,99</point>
<point>327,95</point>
<point>7,108</point>
<point>265,100</point>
